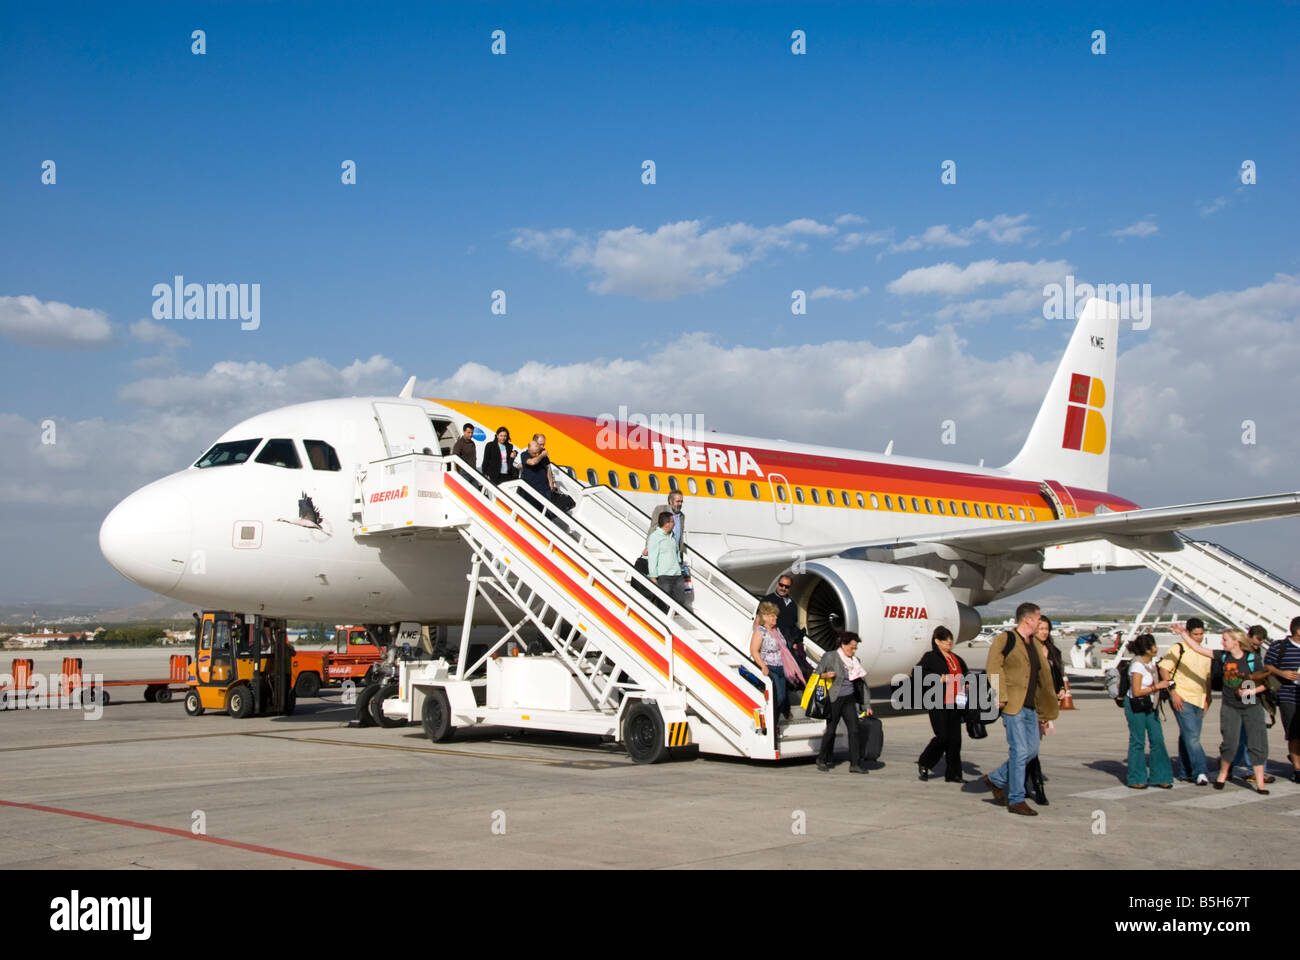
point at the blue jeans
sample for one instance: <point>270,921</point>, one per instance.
<point>1141,727</point>
<point>1022,744</point>
<point>1191,756</point>
<point>779,704</point>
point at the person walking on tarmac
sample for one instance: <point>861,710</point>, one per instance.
<point>945,719</point>
<point>1020,676</point>
<point>841,666</point>
<point>1034,778</point>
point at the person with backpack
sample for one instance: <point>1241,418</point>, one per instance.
<point>1141,710</point>
<point>1189,696</point>
<point>1241,707</point>
<point>1020,675</point>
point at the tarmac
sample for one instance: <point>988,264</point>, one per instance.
<point>146,787</point>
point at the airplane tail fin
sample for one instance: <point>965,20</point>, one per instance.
<point>1071,436</point>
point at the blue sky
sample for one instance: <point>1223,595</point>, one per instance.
<point>226,168</point>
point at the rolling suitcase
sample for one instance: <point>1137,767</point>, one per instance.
<point>871,738</point>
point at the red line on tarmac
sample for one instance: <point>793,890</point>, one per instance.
<point>185,834</point>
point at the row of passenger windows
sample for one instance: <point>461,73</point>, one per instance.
<point>815,495</point>
<point>277,452</point>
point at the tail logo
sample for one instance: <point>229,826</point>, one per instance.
<point>1085,427</point>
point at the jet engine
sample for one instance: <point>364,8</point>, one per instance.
<point>893,608</point>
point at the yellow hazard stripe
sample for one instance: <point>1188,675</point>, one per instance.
<point>679,734</point>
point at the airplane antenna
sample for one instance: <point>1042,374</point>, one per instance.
<point>981,461</point>
<point>890,448</point>
<point>408,391</point>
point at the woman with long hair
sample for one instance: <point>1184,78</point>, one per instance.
<point>1034,768</point>
<point>1141,710</point>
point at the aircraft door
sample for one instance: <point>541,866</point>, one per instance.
<point>203,658</point>
<point>406,428</point>
<point>781,498</point>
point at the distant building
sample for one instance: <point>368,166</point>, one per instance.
<point>37,641</point>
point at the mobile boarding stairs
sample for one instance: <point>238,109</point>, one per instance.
<point>620,660</point>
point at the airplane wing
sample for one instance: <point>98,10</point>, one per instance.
<point>1150,528</point>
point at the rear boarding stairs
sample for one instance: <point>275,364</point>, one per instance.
<point>621,659</point>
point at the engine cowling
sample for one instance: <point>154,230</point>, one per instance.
<point>893,608</point>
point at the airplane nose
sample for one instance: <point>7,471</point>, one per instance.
<point>147,537</point>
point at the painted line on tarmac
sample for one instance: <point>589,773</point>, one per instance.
<point>179,736</point>
<point>187,835</point>
<point>586,764</point>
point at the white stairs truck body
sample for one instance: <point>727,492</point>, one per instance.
<point>1222,585</point>
<point>620,659</point>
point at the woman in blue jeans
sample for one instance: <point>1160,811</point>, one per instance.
<point>765,645</point>
<point>1144,681</point>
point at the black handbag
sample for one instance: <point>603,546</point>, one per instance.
<point>976,729</point>
<point>1141,704</point>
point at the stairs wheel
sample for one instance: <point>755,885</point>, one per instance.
<point>643,733</point>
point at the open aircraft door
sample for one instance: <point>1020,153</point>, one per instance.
<point>781,498</point>
<point>406,428</point>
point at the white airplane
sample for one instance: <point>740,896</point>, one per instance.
<point>263,521</point>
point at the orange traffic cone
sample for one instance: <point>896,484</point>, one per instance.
<point>1068,702</point>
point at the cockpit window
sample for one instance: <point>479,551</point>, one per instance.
<point>321,455</point>
<point>228,454</point>
<point>280,453</point>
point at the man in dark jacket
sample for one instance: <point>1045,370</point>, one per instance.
<point>464,447</point>
<point>787,618</point>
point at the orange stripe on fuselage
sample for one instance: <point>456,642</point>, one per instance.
<point>574,439</point>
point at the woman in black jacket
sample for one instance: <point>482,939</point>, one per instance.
<point>946,719</point>
<point>499,458</point>
<point>1034,769</point>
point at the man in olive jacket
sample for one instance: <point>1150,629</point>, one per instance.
<point>1021,678</point>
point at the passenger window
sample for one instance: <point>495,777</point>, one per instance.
<point>672,483</point>
<point>952,507</point>
<point>798,494</point>
<point>830,497</point>
<point>965,509</point>
<point>844,497</point>
<point>780,493</point>
<point>940,504</point>
<point>916,506</point>
<point>321,455</point>
<point>1001,516</point>
<point>1022,516</point>
<point>280,453</point>
<point>875,502</point>
<point>593,478</point>
<point>728,489</point>
<point>902,503</point>
<point>613,479</point>
<point>928,508</point>
<point>692,486</point>
<point>816,497</point>
<point>889,502</point>
<point>753,491</point>
<point>634,481</point>
<point>654,483</point>
<point>712,487</point>
<point>861,503</point>
<point>228,454</point>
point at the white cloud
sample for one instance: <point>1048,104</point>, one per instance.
<point>845,218</point>
<point>872,238</point>
<point>1214,206</point>
<point>950,280</point>
<point>1003,228</point>
<point>1143,228</point>
<point>675,260</point>
<point>824,293</point>
<point>146,331</point>
<point>52,324</point>
<point>1025,302</point>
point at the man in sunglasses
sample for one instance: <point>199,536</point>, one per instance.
<point>787,618</point>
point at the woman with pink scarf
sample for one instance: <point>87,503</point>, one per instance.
<point>841,666</point>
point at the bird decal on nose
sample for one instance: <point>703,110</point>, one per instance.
<point>308,515</point>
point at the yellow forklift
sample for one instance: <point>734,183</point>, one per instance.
<point>241,665</point>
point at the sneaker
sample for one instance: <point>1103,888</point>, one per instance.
<point>1202,779</point>
<point>1022,808</point>
<point>823,766</point>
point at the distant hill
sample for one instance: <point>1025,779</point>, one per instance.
<point>160,608</point>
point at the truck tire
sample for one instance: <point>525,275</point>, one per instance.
<point>384,692</point>
<point>239,702</point>
<point>150,692</point>
<point>308,685</point>
<point>435,717</point>
<point>643,733</point>
<point>367,694</point>
<point>162,695</point>
<point>193,705</point>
